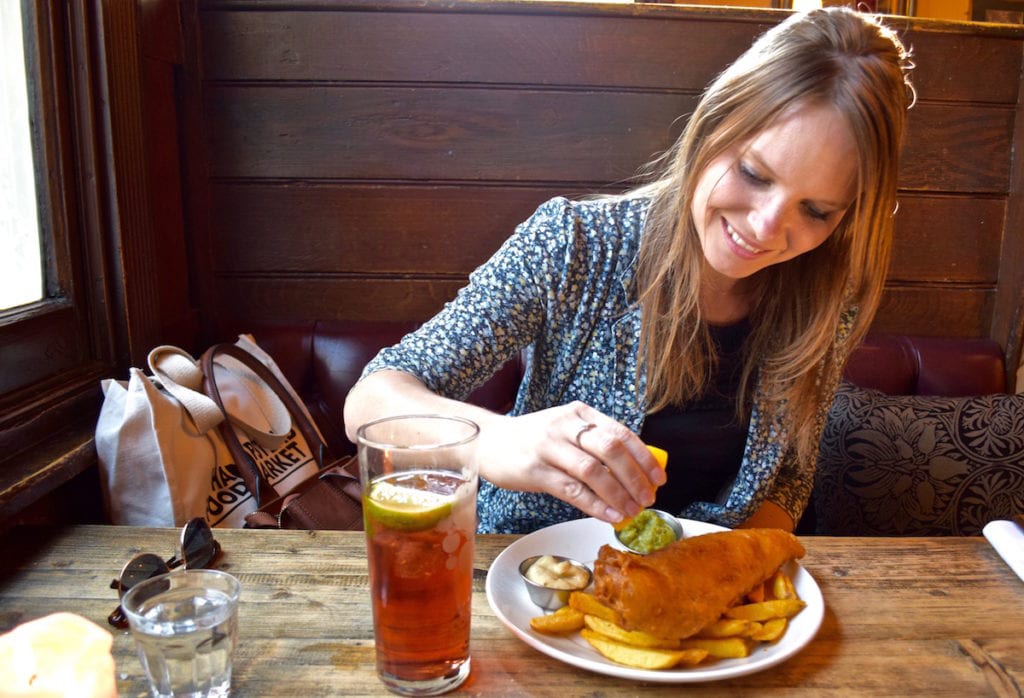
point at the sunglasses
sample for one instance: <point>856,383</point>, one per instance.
<point>198,549</point>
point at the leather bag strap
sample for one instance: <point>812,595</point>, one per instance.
<point>262,490</point>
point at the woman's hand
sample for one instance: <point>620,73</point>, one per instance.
<point>576,454</point>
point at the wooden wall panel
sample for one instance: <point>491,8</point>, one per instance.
<point>958,147</point>
<point>357,159</point>
<point>259,299</point>
<point>409,229</point>
<point>501,134</point>
<point>948,64</point>
<point>488,48</point>
<point>947,239</point>
<point>935,311</point>
<point>672,48</point>
<point>403,229</point>
<point>256,300</point>
<point>438,133</point>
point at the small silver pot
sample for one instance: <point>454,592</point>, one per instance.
<point>546,597</point>
<point>673,523</point>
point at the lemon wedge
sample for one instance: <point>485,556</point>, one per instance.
<point>407,508</point>
<point>660,455</point>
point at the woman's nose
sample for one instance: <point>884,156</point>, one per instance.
<point>768,218</point>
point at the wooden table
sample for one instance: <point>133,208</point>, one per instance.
<point>911,616</point>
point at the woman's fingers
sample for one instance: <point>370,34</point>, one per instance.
<point>576,454</point>
<point>618,448</point>
<point>613,444</point>
<point>606,458</point>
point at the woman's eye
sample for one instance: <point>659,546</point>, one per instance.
<point>816,214</point>
<point>750,174</point>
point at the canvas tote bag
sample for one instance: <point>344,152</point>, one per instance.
<point>330,500</point>
<point>162,456</point>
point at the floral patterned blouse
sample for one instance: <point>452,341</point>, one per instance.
<point>562,288</point>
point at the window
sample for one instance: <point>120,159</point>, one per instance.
<point>49,339</point>
<point>21,273</point>
<point>72,329</point>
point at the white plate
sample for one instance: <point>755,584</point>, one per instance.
<point>580,540</point>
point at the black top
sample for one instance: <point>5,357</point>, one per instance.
<point>704,438</point>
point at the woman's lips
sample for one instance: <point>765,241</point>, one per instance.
<point>740,244</point>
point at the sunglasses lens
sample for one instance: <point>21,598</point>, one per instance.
<point>198,548</point>
<point>139,569</point>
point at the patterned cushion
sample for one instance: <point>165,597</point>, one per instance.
<point>919,466</point>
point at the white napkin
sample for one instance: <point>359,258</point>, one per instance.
<point>1008,540</point>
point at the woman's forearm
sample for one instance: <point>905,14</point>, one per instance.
<point>770,515</point>
<point>388,392</point>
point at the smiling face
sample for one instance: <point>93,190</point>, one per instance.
<point>776,196</point>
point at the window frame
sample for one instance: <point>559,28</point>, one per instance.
<point>100,309</point>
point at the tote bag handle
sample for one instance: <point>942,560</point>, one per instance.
<point>262,490</point>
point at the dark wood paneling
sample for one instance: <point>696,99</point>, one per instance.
<point>1007,326</point>
<point>398,229</point>
<point>947,65</point>
<point>954,239</point>
<point>409,229</point>
<point>501,134</point>
<point>632,52</point>
<point>438,133</point>
<point>928,311</point>
<point>650,49</point>
<point>935,311</point>
<point>958,148</point>
<point>260,300</point>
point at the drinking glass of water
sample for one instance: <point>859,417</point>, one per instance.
<point>185,626</point>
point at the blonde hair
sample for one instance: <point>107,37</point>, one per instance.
<point>834,57</point>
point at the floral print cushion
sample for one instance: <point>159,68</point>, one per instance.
<point>918,466</point>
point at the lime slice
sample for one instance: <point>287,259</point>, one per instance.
<point>406,508</point>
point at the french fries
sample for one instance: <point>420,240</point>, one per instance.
<point>635,638</point>
<point>766,610</point>
<point>771,630</point>
<point>763,616</point>
<point>641,657</point>
<point>727,627</point>
<point>562,622</point>
<point>720,648</point>
<point>588,604</point>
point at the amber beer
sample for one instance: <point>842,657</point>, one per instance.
<point>419,507</point>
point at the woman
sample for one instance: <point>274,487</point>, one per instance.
<point>708,312</point>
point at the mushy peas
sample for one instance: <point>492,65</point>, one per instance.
<point>646,533</point>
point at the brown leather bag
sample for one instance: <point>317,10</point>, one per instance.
<point>330,500</point>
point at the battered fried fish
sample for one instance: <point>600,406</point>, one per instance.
<point>676,591</point>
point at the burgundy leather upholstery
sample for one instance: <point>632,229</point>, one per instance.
<point>903,365</point>
<point>324,359</point>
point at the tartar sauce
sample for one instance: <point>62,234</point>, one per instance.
<point>556,574</point>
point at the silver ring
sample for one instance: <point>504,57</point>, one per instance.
<point>584,429</point>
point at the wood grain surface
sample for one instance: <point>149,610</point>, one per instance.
<point>903,617</point>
